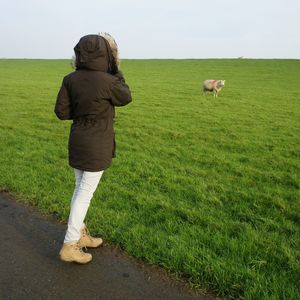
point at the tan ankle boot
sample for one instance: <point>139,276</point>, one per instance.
<point>73,252</point>
<point>86,240</point>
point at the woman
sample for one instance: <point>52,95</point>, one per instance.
<point>88,96</point>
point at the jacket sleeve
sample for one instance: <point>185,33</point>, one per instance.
<point>63,103</point>
<point>119,91</point>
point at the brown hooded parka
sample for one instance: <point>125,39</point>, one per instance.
<point>88,97</point>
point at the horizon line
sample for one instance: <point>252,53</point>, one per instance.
<point>156,58</point>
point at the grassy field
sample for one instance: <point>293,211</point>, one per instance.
<point>207,188</point>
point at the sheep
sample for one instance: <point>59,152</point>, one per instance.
<point>214,86</point>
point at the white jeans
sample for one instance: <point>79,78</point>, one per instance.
<point>85,186</point>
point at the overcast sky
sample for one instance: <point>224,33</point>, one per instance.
<point>153,28</point>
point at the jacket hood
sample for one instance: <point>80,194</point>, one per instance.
<point>93,52</point>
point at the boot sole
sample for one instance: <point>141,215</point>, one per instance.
<point>92,246</point>
<point>69,260</point>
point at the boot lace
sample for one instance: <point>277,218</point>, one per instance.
<point>79,247</point>
<point>86,233</point>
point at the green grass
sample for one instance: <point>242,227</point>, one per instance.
<point>207,188</point>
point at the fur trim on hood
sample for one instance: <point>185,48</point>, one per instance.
<point>85,56</point>
<point>113,46</point>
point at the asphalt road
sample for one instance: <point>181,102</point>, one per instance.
<point>30,268</point>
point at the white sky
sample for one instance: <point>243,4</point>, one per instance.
<point>153,28</point>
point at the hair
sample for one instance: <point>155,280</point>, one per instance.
<point>114,49</point>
